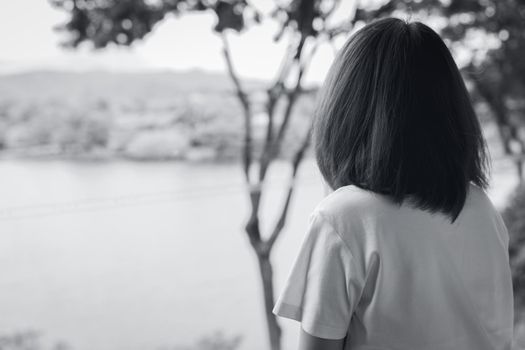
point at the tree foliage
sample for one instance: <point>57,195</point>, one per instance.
<point>124,21</point>
<point>515,222</point>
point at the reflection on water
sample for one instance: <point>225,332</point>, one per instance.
<point>125,255</point>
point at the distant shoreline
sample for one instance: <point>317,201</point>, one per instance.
<point>107,156</point>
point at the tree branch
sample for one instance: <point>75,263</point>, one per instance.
<point>299,155</point>
<point>245,103</point>
<point>274,94</point>
<point>252,226</point>
<point>274,147</point>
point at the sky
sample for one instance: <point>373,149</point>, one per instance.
<point>28,42</point>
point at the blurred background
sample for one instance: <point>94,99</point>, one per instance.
<point>155,168</point>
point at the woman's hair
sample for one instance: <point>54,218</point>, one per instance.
<point>394,117</point>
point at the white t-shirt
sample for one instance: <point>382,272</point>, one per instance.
<point>401,278</point>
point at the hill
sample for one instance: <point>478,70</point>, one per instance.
<point>191,115</point>
<point>42,85</point>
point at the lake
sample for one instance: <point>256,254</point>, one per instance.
<point>142,256</point>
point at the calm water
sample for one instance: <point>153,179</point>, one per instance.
<point>138,256</point>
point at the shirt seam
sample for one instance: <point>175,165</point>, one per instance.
<point>329,221</point>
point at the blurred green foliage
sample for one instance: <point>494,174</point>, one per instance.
<point>28,340</point>
<point>214,341</point>
<point>124,21</point>
<point>514,218</point>
<point>196,126</point>
<point>32,340</point>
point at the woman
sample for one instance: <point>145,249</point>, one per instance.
<point>408,252</point>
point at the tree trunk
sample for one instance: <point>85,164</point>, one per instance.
<point>274,331</point>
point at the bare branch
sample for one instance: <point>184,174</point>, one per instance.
<point>277,87</point>
<point>299,155</point>
<point>292,95</point>
<point>252,226</point>
<point>243,98</point>
<point>274,94</point>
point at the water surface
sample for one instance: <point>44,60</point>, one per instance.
<point>137,256</point>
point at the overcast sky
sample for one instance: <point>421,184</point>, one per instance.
<point>28,42</point>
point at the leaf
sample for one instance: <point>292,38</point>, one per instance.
<point>230,15</point>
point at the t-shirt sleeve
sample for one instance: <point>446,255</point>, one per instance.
<point>503,231</point>
<point>324,283</point>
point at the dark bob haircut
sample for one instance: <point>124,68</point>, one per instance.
<point>394,117</point>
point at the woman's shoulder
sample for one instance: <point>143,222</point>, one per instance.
<point>351,205</point>
<point>478,204</point>
<point>478,194</point>
<point>353,209</point>
<point>355,215</point>
<point>352,199</point>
